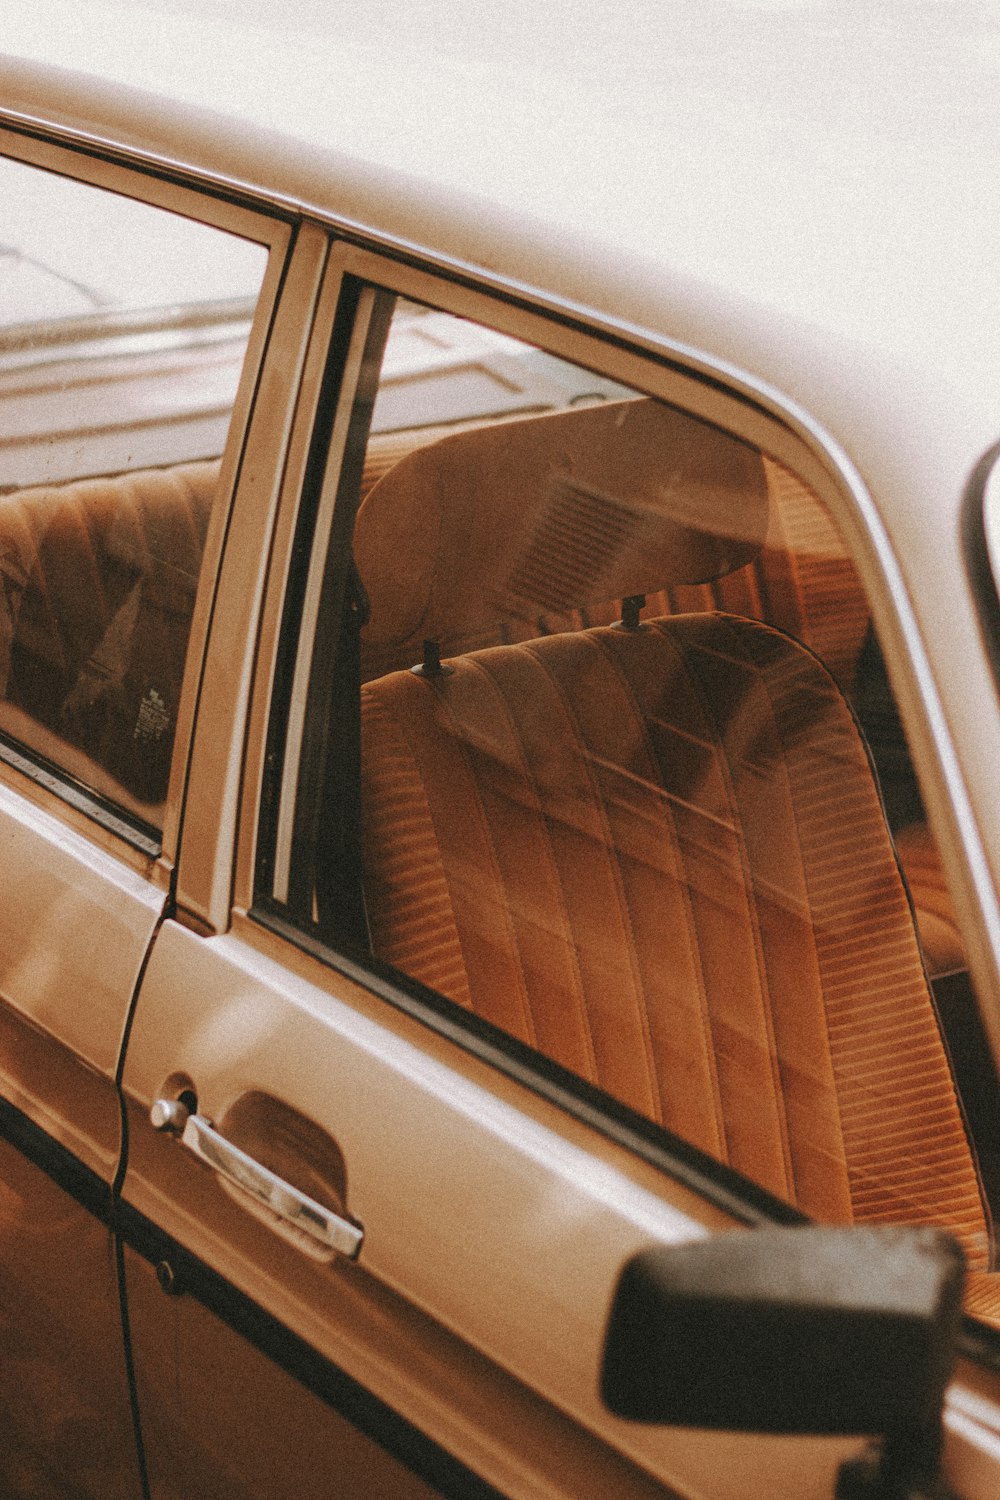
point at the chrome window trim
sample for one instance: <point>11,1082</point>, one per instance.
<point>273,463</point>
<point>103,811</point>
<point>96,160</point>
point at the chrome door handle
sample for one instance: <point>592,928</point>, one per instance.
<point>329,1229</point>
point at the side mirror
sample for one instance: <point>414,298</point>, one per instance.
<point>795,1330</point>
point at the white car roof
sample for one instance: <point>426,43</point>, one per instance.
<point>805,188</point>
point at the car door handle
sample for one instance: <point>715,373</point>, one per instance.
<point>331,1230</point>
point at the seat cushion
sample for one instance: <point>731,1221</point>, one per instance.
<point>659,857</point>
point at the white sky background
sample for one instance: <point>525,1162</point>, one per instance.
<point>126,253</point>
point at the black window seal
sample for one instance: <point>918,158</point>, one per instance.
<point>111,816</point>
<point>340,596</point>
<point>975,548</point>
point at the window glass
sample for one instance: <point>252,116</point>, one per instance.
<point>627,781</point>
<point>122,334</point>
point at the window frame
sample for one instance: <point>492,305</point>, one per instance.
<point>682,378</point>
<point>282,651</point>
<point>96,165</point>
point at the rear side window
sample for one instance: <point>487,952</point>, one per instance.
<point>122,335</point>
<point>608,759</point>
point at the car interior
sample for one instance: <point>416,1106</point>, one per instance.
<point>617,801</point>
<point>633,788</point>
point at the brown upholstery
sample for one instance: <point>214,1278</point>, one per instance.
<point>659,856</point>
<point>802,579</point>
<point>811,586</point>
<point>982,1297</point>
<point>99,581</point>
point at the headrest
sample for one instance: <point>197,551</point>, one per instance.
<point>547,514</point>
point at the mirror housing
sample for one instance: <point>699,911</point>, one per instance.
<point>794,1330</point>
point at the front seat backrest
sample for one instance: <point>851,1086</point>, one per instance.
<point>658,855</point>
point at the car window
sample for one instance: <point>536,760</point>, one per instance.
<point>596,743</point>
<point>122,334</point>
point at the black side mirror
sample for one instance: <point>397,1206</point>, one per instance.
<point>795,1330</point>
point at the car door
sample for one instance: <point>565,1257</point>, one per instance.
<point>114,363</point>
<point>372,1230</point>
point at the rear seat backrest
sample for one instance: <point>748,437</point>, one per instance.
<point>802,580</point>
<point>100,577</point>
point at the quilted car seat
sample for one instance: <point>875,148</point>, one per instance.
<point>655,852</point>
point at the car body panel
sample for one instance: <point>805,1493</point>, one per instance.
<point>105,913</point>
<point>88,885</point>
<point>64,1388</point>
<point>276,1005</point>
<point>77,922</point>
<point>419,1128</point>
<point>198,1442</point>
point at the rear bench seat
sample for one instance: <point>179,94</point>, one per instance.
<point>98,582</point>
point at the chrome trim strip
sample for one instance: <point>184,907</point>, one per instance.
<point>114,818</point>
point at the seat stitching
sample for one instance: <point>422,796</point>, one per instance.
<point>740,658</point>
<point>454,729</point>
<point>599,640</point>
<point>480,665</point>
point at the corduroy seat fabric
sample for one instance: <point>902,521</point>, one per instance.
<point>802,580</point>
<point>659,857</point>
<point>656,854</point>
